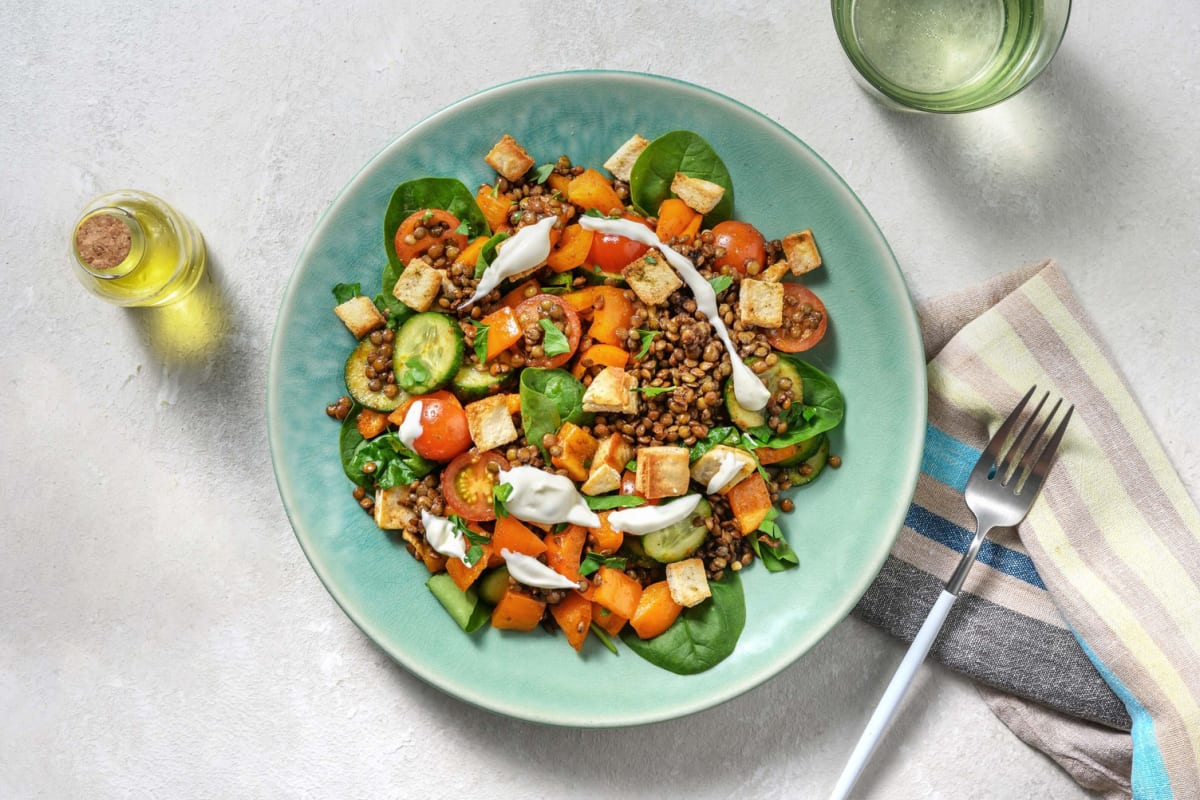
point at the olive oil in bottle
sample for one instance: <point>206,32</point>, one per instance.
<point>132,249</point>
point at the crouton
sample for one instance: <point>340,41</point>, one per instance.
<point>709,464</point>
<point>490,422</point>
<point>607,466</point>
<point>662,472</point>
<point>800,250</point>
<point>620,163</point>
<point>418,285</point>
<point>612,392</point>
<point>509,159</point>
<point>360,315</point>
<point>699,194</point>
<point>688,583</point>
<point>391,510</point>
<point>760,303</point>
<point>775,272</point>
<point>652,278</point>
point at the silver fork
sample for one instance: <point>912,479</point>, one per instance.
<point>1000,492</point>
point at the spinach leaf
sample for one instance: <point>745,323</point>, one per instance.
<point>487,253</point>
<point>607,501</point>
<point>715,437</point>
<point>344,292</point>
<point>823,409</point>
<point>594,561</point>
<point>775,553</point>
<point>385,301</point>
<point>348,441</point>
<point>702,636</point>
<point>678,151</point>
<point>554,341</point>
<point>549,397</point>
<point>448,194</point>
<point>395,464</point>
<point>481,337</point>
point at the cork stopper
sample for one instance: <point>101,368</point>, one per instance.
<point>103,241</point>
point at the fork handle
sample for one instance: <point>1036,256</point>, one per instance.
<point>893,695</point>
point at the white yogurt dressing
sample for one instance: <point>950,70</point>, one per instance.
<point>527,248</point>
<point>442,536</point>
<point>747,387</point>
<point>544,497</point>
<point>531,572</point>
<point>410,428</point>
<point>729,467</point>
<point>647,519</point>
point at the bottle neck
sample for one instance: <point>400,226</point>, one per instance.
<point>109,243</point>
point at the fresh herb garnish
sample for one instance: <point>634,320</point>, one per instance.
<point>500,493</point>
<point>477,540</point>
<point>647,338</point>
<point>487,253</point>
<point>654,391</point>
<point>345,292</point>
<point>428,215</point>
<point>418,372</point>
<point>481,340</point>
<point>554,343</point>
<point>463,229</point>
<point>631,465</point>
<point>559,284</point>
<point>720,283</point>
<point>594,561</point>
<point>715,437</point>
<point>771,548</point>
<point>650,260</point>
<point>604,638</point>
<point>607,501</point>
<point>542,173</point>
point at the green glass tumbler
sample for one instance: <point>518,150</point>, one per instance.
<point>949,55</point>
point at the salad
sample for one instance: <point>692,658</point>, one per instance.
<point>577,396</point>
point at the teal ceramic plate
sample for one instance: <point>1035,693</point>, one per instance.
<point>844,523</point>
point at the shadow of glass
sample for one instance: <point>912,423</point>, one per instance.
<point>191,331</point>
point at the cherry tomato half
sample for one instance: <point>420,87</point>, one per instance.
<point>613,253</point>
<point>444,430</point>
<point>742,243</point>
<point>439,228</point>
<point>467,485</point>
<point>530,314</point>
<point>804,320</point>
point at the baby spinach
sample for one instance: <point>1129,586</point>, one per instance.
<point>395,464</point>
<point>715,437</point>
<point>386,302</point>
<point>487,254</point>
<point>549,397</point>
<point>344,292</point>
<point>678,151</point>
<point>775,553</point>
<point>448,194</point>
<point>822,409</point>
<point>703,636</point>
<point>606,501</point>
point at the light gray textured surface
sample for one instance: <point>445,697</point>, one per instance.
<point>160,631</point>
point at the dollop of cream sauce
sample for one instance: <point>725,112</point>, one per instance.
<point>526,249</point>
<point>747,387</point>
<point>729,467</point>
<point>442,536</point>
<point>410,429</point>
<point>531,572</point>
<point>647,519</point>
<point>540,496</point>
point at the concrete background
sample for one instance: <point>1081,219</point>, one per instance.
<point>161,633</point>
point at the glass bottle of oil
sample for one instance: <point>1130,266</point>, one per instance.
<point>132,249</point>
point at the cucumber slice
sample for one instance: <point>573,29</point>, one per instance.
<point>357,381</point>
<point>473,382</point>
<point>679,541</point>
<point>427,353</point>
<point>746,419</point>
<point>811,467</point>
<point>463,607</point>
<point>493,584</point>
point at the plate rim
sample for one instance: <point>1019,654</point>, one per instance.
<point>798,647</point>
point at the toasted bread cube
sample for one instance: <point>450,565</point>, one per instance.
<point>490,422</point>
<point>801,252</point>
<point>509,159</point>
<point>662,472</point>
<point>607,466</point>
<point>709,464</point>
<point>391,510</point>
<point>775,272</point>
<point>760,303</point>
<point>699,194</point>
<point>620,163</point>
<point>688,583</point>
<point>418,285</point>
<point>360,315</point>
<point>652,278</point>
<point>612,392</point>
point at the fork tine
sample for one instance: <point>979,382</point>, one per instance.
<point>1037,474</point>
<point>1021,470</point>
<point>987,459</point>
<point>1008,468</point>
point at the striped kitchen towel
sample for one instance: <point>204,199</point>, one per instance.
<point>1086,618</point>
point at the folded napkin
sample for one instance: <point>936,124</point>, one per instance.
<point>1085,620</point>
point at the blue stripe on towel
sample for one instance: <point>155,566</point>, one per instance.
<point>998,557</point>
<point>946,459</point>
<point>1150,779</point>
